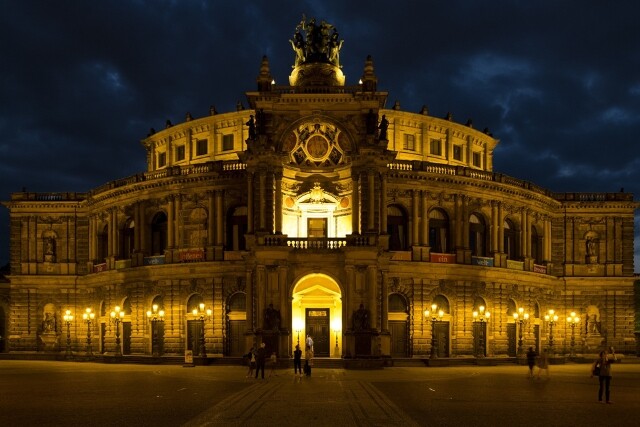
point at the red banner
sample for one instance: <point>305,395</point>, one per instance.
<point>100,267</point>
<point>191,255</point>
<point>542,269</point>
<point>443,258</point>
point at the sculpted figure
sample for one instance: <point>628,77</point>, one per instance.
<point>252,127</point>
<point>271,318</point>
<point>361,319</point>
<point>384,125</point>
<point>298,46</point>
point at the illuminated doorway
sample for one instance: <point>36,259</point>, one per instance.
<point>317,310</point>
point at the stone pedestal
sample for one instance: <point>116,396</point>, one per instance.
<point>49,341</point>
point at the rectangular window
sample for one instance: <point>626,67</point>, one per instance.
<point>162,160</point>
<point>409,142</point>
<point>436,147</point>
<point>477,160</point>
<point>227,142</point>
<point>201,147</point>
<point>457,152</point>
<point>179,153</point>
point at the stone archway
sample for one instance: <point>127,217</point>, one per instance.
<point>316,309</point>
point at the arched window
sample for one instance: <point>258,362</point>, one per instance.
<point>442,302</point>
<point>438,231</point>
<point>238,302</point>
<point>477,235</point>
<point>103,244</point>
<point>536,246</point>
<point>510,242</point>
<point>511,308</point>
<point>236,228</point>
<point>126,241</point>
<point>397,228</point>
<point>194,302</point>
<point>397,304</point>
<point>159,234</point>
<point>126,307</point>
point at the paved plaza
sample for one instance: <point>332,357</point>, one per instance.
<point>73,394</point>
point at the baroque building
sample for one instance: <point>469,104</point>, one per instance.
<point>381,233</point>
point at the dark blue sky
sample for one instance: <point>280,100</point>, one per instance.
<point>82,82</point>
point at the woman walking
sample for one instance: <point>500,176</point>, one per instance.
<point>602,368</point>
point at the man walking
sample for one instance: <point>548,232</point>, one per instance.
<point>261,355</point>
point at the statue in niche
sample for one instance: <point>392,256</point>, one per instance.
<point>384,125</point>
<point>361,319</point>
<point>592,323</point>
<point>49,323</point>
<point>271,318</point>
<point>591,249</point>
<point>252,128</point>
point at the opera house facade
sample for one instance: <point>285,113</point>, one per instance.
<point>381,233</point>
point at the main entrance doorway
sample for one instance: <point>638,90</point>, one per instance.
<point>316,310</point>
<point>317,321</point>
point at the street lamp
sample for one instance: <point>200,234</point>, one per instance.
<point>155,316</point>
<point>201,314</point>
<point>552,318</point>
<point>573,320</point>
<point>116,317</point>
<point>481,316</point>
<point>88,317</point>
<point>521,317</point>
<point>435,315</point>
<point>68,318</point>
<point>297,326</point>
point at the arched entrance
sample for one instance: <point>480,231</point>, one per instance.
<point>316,310</point>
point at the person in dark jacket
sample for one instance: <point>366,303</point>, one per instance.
<point>297,362</point>
<point>531,360</point>
<point>604,363</point>
<point>261,356</point>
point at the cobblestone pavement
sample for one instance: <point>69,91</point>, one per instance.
<point>96,394</point>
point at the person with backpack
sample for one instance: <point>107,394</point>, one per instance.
<point>601,368</point>
<point>261,356</point>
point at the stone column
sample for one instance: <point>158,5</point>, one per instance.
<point>355,206</point>
<point>249,203</point>
<point>385,302</point>
<point>92,237</point>
<point>278,203</point>
<point>383,203</point>
<point>219,217</point>
<point>211,219</point>
<point>137,227</point>
<point>372,285</point>
<point>424,230</point>
<point>414,217</point>
<point>249,300</point>
<point>495,247</point>
<point>371,182</point>
<point>500,228</point>
<point>170,224</point>
<point>262,201</point>
<point>176,218</point>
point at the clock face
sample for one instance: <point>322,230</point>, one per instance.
<point>315,144</point>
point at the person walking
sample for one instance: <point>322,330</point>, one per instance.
<point>531,360</point>
<point>273,362</point>
<point>309,342</point>
<point>261,356</point>
<point>308,361</point>
<point>602,369</point>
<point>251,359</point>
<point>297,362</point>
<point>543,363</point>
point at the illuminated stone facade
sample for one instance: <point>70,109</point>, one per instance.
<point>319,211</point>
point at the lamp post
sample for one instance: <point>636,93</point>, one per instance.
<point>155,316</point>
<point>521,317</point>
<point>481,316</point>
<point>68,318</point>
<point>116,317</point>
<point>201,314</point>
<point>88,317</point>
<point>552,318</point>
<point>297,326</point>
<point>573,320</point>
<point>435,315</point>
